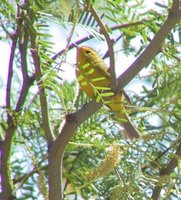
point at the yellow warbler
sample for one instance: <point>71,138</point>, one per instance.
<point>93,77</point>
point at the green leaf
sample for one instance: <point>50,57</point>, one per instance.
<point>9,6</point>
<point>91,71</point>
<point>85,66</point>
<point>80,77</point>
<point>102,88</point>
<point>84,83</point>
<point>98,79</point>
<point>107,94</point>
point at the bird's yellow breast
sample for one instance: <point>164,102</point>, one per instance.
<point>90,73</point>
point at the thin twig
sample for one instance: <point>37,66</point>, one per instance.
<point>43,99</point>
<point>166,172</point>
<point>154,163</point>
<point>67,181</point>
<point>21,180</point>
<point>80,41</point>
<point>119,177</point>
<point>27,81</point>
<point>11,60</point>
<point>126,25</point>
<point>103,30</point>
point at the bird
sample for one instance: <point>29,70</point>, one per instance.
<point>94,79</point>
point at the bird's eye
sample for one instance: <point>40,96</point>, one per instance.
<point>87,51</point>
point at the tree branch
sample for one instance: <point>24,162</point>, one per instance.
<point>153,48</point>
<point>42,94</point>
<point>21,180</point>
<point>27,81</point>
<point>166,172</point>
<point>5,150</point>
<point>14,38</point>
<point>69,126</point>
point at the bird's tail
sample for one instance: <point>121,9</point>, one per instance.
<point>116,105</point>
<point>130,132</point>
